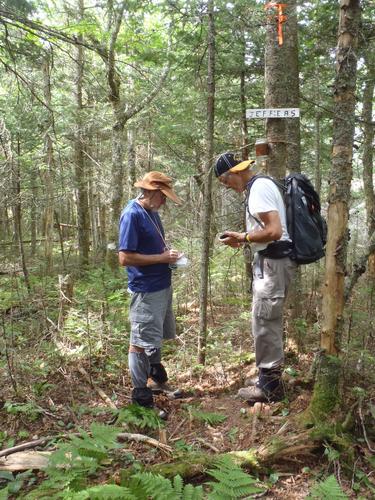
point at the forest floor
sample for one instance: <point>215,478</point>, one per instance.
<point>65,402</point>
<point>75,405</point>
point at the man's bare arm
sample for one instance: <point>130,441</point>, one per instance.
<point>139,259</point>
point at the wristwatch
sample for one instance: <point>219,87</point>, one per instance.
<point>247,238</point>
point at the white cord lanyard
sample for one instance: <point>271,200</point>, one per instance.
<point>167,247</point>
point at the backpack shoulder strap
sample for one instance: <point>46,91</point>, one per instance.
<point>248,188</point>
<point>280,185</point>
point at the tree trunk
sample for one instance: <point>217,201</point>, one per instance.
<point>290,58</point>
<point>131,161</point>
<point>275,78</point>
<point>367,159</point>
<point>338,211</point>
<point>244,129</point>
<point>33,210</point>
<point>79,159</point>
<point>206,216</point>
<point>15,199</point>
<point>317,172</point>
<point>48,171</point>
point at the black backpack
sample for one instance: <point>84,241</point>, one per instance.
<point>306,226</point>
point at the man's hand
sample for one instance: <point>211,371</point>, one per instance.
<point>232,239</point>
<point>170,256</point>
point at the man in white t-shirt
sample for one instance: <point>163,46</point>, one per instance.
<point>267,235</point>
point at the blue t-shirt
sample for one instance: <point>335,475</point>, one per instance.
<point>139,232</point>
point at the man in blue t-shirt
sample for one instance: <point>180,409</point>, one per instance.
<point>143,250</point>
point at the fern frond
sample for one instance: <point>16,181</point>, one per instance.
<point>191,492</point>
<point>178,484</point>
<point>232,482</point>
<point>157,487</point>
<point>103,492</point>
<point>153,485</point>
<point>138,416</point>
<point>209,418</point>
<point>329,489</point>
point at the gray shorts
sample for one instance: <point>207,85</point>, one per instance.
<point>151,318</point>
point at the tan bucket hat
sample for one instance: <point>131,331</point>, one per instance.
<point>156,181</point>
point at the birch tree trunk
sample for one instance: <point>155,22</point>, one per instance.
<point>206,216</point>
<point>326,389</point>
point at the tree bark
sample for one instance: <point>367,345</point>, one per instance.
<point>338,211</point>
<point>206,216</point>
<point>79,159</point>
<point>121,115</point>
<point>15,199</point>
<point>290,58</point>
<point>367,159</point>
<point>48,170</point>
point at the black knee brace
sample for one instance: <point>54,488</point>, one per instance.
<point>143,397</point>
<point>158,373</point>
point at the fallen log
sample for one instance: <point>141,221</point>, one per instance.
<point>15,459</point>
<point>141,438</point>
<point>25,446</point>
<point>299,444</point>
<point>25,460</point>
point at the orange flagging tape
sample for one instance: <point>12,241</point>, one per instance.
<point>281,18</point>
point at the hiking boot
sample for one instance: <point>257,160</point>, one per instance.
<point>269,387</point>
<point>255,394</point>
<point>249,382</point>
<point>164,388</point>
<point>162,414</point>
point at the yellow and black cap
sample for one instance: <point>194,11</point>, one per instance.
<point>227,161</point>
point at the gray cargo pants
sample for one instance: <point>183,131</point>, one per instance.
<point>152,321</point>
<point>271,279</point>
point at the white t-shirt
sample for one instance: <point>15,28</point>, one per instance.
<point>265,196</point>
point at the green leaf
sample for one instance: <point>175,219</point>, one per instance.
<point>4,494</point>
<point>328,490</point>
<point>138,416</point>
<point>104,492</point>
<point>209,418</point>
<point>232,481</point>
<point>4,474</point>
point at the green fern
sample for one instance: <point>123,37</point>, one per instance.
<point>209,418</point>
<point>103,492</point>
<point>140,417</point>
<point>329,489</point>
<point>232,482</point>
<point>145,484</point>
<point>71,464</point>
